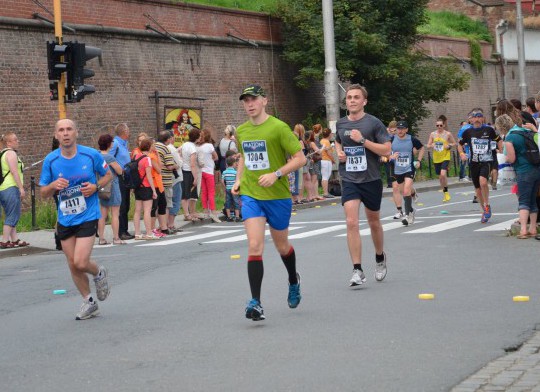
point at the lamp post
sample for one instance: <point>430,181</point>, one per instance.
<point>331,92</point>
<point>521,52</point>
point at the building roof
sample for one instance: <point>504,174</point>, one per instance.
<point>488,3</point>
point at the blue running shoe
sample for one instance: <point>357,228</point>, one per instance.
<point>294,293</point>
<point>484,218</point>
<point>254,310</point>
<point>487,211</point>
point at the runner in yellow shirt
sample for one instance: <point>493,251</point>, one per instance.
<point>441,141</point>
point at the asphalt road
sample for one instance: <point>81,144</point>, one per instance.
<point>175,317</point>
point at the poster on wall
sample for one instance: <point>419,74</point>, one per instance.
<point>180,121</point>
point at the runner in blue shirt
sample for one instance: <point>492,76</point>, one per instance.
<point>70,172</point>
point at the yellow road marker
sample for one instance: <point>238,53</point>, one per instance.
<point>420,204</point>
<point>235,257</point>
<point>317,206</point>
<point>426,296</point>
<point>333,204</point>
<point>520,298</point>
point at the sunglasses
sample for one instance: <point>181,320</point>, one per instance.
<point>477,115</point>
<point>439,125</point>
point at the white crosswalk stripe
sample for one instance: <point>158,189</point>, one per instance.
<point>243,237</point>
<point>236,233</point>
<point>498,226</point>
<point>443,226</point>
<point>189,238</point>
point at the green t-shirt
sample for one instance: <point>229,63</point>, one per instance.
<point>265,148</point>
<point>521,164</point>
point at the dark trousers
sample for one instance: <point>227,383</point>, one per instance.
<point>124,207</point>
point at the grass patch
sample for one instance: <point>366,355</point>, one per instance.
<point>451,24</point>
<point>248,5</point>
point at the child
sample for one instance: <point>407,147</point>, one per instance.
<point>231,201</point>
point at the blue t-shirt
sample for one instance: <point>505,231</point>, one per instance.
<point>404,162</point>
<point>229,177</point>
<point>73,208</point>
<point>120,151</point>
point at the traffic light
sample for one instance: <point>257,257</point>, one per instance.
<point>56,59</point>
<point>78,55</point>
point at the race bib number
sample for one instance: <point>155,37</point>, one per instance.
<point>493,145</point>
<point>71,200</point>
<point>480,146</point>
<point>356,159</point>
<point>256,155</point>
<point>403,160</point>
<point>439,146</point>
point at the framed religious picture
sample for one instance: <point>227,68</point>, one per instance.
<point>180,121</point>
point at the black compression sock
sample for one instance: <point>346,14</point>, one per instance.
<point>255,269</point>
<point>289,260</point>
<point>408,204</point>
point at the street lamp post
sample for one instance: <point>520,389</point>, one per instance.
<point>521,52</point>
<point>331,92</point>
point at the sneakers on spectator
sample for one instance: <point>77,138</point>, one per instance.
<point>254,310</point>
<point>214,218</point>
<point>380,269</point>
<point>238,219</point>
<point>230,219</point>
<point>294,293</point>
<point>399,215</point>
<point>102,284</point>
<point>158,233</point>
<point>358,278</point>
<point>88,310</point>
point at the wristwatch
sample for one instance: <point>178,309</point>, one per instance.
<point>362,141</point>
<point>278,174</point>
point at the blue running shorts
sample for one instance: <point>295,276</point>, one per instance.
<point>276,212</point>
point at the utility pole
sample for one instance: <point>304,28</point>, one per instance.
<point>521,52</point>
<point>331,92</point>
<point>62,83</point>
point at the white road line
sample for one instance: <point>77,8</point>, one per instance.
<point>243,237</point>
<point>312,233</point>
<point>188,238</point>
<point>499,226</point>
<point>443,226</point>
<point>386,227</point>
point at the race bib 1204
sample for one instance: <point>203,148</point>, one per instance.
<point>256,155</point>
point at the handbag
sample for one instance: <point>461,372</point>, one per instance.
<point>104,193</point>
<point>507,174</point>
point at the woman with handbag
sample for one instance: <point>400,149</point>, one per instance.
<point>110,197</point>
<point>314,165</point>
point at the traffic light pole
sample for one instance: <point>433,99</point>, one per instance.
<point>62,83</point>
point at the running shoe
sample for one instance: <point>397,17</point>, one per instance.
<point>358,278</point>
<point>484,219</point>
<point>88,310</point>
<point>254,310</point>
<point>399,215</point>
<point>405,221</point>
<point>380,269</point>
<point>102,284</point>
<point>487,211</point>
<point>415,197</point>
<point>475,199</point>
<point>410,217</point>
<point>446,196</point>
<point>294,293</point>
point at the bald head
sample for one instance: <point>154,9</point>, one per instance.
<point>65,131</point>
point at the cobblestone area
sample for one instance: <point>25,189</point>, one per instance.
<point>518,371</point>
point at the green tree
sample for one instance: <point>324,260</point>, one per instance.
<point>375,46</point>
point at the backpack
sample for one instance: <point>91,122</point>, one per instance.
<point>532,152</point>
<point>131,175</point>
<point>222,161</point>
<point>2,177</point>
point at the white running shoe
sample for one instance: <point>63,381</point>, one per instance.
<point>102,284</point>
<point>415,197</point>
<point>399,215</point>
<point>380,269</point>
<point>88,310</point>
<point>358,278</point>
